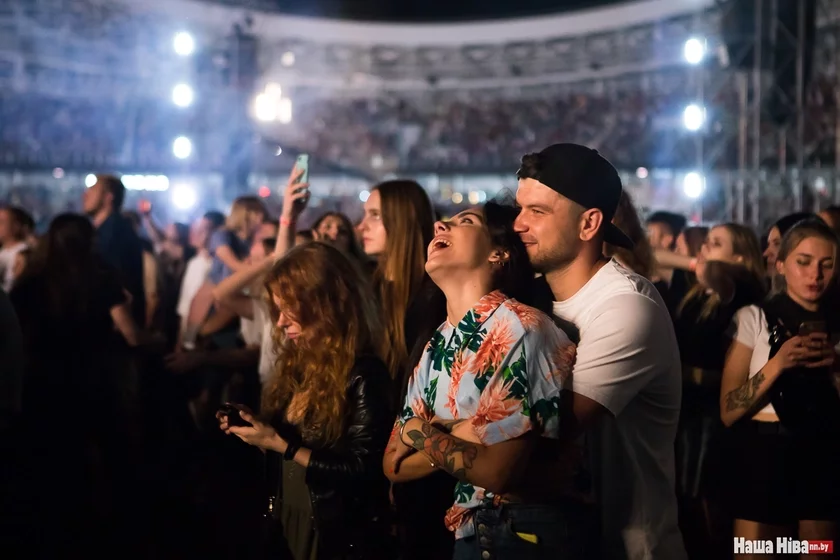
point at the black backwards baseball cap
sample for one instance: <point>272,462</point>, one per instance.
<point>582,175</point>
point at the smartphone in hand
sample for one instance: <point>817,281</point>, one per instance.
<point>233,417</point>
<point>302,165</point>
<point>808,328</point>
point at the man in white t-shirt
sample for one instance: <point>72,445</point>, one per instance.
<point>13,233</point>
<point>626,381</point>
<point>197,268</point>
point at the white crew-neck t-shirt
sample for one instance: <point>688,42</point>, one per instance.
<point>628,361</point>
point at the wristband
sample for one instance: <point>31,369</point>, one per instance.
<point>286,222</point>
<point>292,447</point>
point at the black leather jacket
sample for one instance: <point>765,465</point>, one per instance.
<point>348,490</point>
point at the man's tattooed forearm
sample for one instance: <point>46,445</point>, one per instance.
<point>744,396</point>
<point>448,453</point>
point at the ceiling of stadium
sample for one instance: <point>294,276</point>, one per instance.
<point>416,11</point>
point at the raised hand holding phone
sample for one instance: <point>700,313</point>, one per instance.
<point>296,193</point>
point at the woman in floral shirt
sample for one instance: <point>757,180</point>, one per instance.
<point>486,394</point>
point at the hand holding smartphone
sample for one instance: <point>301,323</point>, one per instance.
<point>815,336</point>
<point>231,411</point>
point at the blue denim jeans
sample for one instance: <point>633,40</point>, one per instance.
<point>567,531</point>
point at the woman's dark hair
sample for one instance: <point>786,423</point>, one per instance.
<point>306,234</point>
<point>182,231</point>
<point>695,236</point>
<point>353,247</point>
<point>216,219</point>
<point>516,278</point>
<point>66,261</point>
<point>786,222</point>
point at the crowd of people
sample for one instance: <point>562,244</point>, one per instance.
<point>438,131</point>
<point>549,377</point>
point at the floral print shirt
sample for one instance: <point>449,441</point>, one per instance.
<point>503,367</point>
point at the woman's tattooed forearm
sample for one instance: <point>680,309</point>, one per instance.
<point>745,395</point>
<point>447,425</point>
<point>447,453</point>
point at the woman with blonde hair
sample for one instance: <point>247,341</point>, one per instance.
<point>326,408</point>
<point>779,397</point>
<point>229,248</point>
<point>730,273</point>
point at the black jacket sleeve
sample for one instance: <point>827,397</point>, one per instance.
<point>357,457</point>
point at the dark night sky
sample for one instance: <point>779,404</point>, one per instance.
<point>430,10</point>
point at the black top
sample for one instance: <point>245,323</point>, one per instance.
<point>71,353</point>
<point>120,246</point>
<point>12,359</point>
<point>704,341</point>
<point>348,489</point>
<point>805,399</point>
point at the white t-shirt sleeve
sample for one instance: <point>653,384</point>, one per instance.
<point>747,323</point>
<point>623,346</point>
<point>194,277</point>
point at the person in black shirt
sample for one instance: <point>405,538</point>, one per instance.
<point>116,239</point>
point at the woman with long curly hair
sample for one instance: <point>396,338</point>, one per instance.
<point>326,409</point>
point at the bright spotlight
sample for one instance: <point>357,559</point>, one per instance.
<point>184,197</point>
<point>694,50</point>
<point>182,147</point>
<point>364,195</point>
<point>694,116</point>
<point>265,108</point>
<point>284,111</point>
<point>693,185</point>
<point>183,44</point>
<point>90,180</point>
<point>182,95</point>
<point>288,58</point>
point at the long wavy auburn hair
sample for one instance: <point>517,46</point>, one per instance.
<point>320,287</point>
<point>408,218</point>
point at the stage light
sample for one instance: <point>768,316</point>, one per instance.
<point>264,192</point>
<point>182,147</point>
<point>694,116</point>
<point>182,95</point>
<point>288,59</point>
<point>694,184</point>
<point>364,195</point>
<point>457,198</point>
<point>694,50</point>
<point>265,108</point>
<point>183,44</point>
<point>284,110</point>
<point>642,173</point>
<point>184,197</point>
<point>90,180</point>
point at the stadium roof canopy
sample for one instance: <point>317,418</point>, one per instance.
<point>418,11</point>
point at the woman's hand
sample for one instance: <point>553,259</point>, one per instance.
<point>465,431</point>
<point>820,344</point>
<point>295,196</point>
<point>257,434</point>
<point>400,449</point>
<point>804,351</point>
